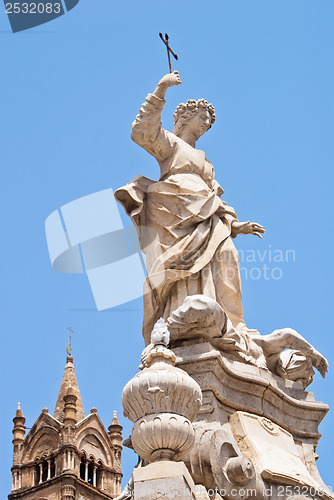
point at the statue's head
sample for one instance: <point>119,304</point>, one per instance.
<point>198,115</point>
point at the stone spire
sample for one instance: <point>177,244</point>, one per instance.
<point>19,427</point>
<point>66,456</point>
<point>115,432</point>
<point>69,381</point>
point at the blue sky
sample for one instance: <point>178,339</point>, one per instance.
<point>70,90</point>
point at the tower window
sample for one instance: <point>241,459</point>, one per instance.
<point>52,467</point>
<point>90,473</point>
<point>83,468</point>
<point>44,470</point>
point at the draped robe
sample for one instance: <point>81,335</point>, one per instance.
<point>184,227</point>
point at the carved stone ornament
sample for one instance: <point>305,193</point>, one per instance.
<point>215,461</point>
<point>67,492</point>
<point>273,450</point>
<point>162,401</point>
<point>45,449</point>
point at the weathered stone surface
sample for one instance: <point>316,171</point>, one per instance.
<point>69,378</point>
<point>272,448</point>
<point>165,479</point>
<point>247,411</point>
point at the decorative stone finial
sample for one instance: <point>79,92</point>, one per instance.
<point>115,432</point>
<point>162,401</point>
<point>19,427</point>
<point>19,412</point>
<point>115,421</point>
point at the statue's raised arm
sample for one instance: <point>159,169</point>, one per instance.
<point>147,129</point>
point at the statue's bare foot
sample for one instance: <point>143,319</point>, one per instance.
<point>319,362</point>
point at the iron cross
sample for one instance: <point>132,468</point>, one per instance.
<point>68,346</point>
<point>169,50</point>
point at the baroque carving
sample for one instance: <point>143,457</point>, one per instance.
<point>202,318</point>
<point>161,400</point>
<point>275,453</point>
<point>164,436</point>
<point>215,461</point>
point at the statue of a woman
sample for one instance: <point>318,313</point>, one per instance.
<point>184,227</point>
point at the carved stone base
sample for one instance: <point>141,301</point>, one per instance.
<point>165,479</point>
<point>255,431</point>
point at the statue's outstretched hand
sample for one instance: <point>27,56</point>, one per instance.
<point>167,81</point>
<point>171,79</point>
<point>247,228</point>
<point>319,362</point>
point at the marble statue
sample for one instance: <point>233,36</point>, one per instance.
<point>186,231</point>
<point>216,404</point>
<point>191,251</point>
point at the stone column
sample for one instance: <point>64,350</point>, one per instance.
<point>94,475</point>
<point>49,469</point>
<point>86,472</point>
<point>40,472</point>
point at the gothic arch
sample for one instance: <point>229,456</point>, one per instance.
<point>43,444</point>
<point>93,443</point>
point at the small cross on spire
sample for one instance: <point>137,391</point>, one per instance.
<point>68,346</point>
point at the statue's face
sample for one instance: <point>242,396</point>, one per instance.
<point>199,123</point>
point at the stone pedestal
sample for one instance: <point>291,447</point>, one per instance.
<point>256,433</point>
<point>165,479</point>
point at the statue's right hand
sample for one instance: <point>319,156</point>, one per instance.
<point>171,79</point>
<point>319,362</point>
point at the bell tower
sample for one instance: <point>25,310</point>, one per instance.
<point>67,455</point>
